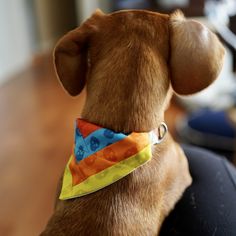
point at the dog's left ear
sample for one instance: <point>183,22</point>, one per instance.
<point>71,55</point>
<point>196,55</point>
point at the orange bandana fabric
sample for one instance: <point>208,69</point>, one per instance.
<point>101,157</point>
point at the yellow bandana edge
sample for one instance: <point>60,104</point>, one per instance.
<point>103,178</point>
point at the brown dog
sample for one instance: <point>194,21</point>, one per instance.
<point>130,62</point>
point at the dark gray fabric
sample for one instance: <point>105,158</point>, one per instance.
<point>208,206</point>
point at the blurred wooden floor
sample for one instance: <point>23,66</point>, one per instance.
<point>36,135</point>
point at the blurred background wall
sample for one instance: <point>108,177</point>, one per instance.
<point>54,18</point>
<point>31,27</point>
<point>17,39</point>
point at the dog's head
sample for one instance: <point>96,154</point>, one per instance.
<point>130,58</point>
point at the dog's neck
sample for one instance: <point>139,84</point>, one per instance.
<point>121,122</point>
<point>143,115</point>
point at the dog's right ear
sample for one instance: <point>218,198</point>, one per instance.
<point>196,56</point>
<point>71,55</point>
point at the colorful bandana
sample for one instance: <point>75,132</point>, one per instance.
<point>101,157</point>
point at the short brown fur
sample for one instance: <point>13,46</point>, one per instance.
<point>126,60</point>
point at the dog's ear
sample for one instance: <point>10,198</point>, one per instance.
<point>196,55</point>
<point>71,55</point>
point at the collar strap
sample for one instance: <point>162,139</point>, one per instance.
<point>101,157</point>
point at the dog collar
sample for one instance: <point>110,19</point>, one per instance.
<point>101,157</point>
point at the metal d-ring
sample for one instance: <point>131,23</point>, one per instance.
<point>162,131</point>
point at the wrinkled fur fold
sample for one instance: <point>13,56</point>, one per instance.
<point>131,62</point>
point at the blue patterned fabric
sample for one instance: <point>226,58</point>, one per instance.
<point>94,142</point>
